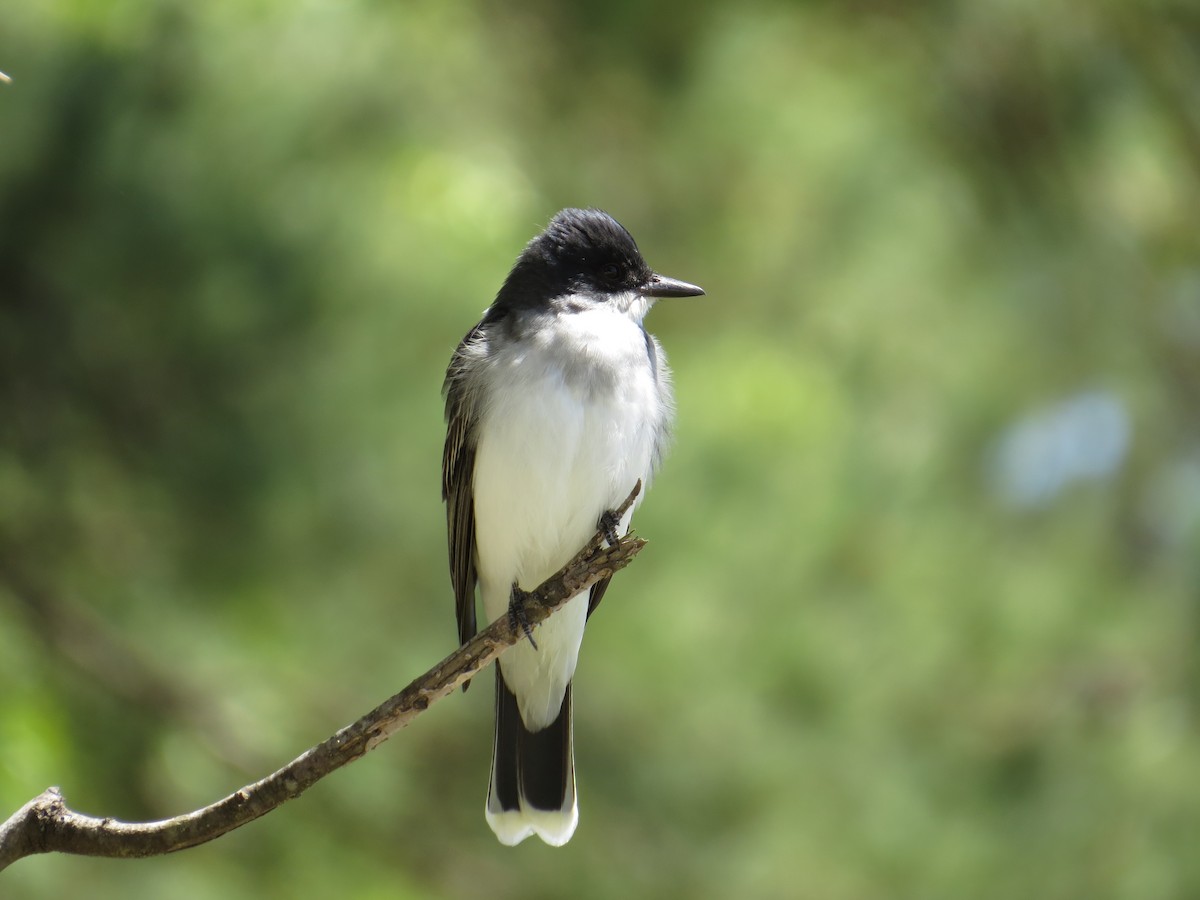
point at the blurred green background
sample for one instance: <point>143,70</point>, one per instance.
<point>920,612</point>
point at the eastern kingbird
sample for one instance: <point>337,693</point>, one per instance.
<point>557,402</point>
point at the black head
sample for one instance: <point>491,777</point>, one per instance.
<point>587,252</point>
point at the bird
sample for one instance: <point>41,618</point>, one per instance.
<point>557,402</point>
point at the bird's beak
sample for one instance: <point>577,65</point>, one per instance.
<point>662,286</point>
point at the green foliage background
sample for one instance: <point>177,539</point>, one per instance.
<point>238,242</point>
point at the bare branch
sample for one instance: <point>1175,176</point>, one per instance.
<point>46,824</point>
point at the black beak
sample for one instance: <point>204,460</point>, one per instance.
<point>662,286</point>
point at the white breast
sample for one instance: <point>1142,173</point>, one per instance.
<point>569,426</point>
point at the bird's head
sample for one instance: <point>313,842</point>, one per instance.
<point>588,256</point>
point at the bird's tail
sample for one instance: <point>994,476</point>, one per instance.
<point>532,790</point>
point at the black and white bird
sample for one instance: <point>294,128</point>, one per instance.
<point>557,402</point>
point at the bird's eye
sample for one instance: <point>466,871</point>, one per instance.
<point>610,271</point>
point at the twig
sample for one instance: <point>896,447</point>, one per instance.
<point>46,824</point>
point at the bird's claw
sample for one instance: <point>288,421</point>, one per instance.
<point>517,616</point>
<point>608,525</point>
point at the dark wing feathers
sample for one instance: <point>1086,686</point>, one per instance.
<point>597,594</point>
<point>458,467</point>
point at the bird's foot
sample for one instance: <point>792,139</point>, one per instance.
<point>609,521</point>
<point>517,616</point>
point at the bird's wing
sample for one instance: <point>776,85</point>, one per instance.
<point>597,594</point>
<point>458,467</point>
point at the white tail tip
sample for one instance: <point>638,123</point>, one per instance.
<point>554,826</point>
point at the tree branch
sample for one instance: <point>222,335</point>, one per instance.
<point>46,824</point>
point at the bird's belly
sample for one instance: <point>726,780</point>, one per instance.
<point>545,471</point>
<point>549,462</point>
<point>568,427</point>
